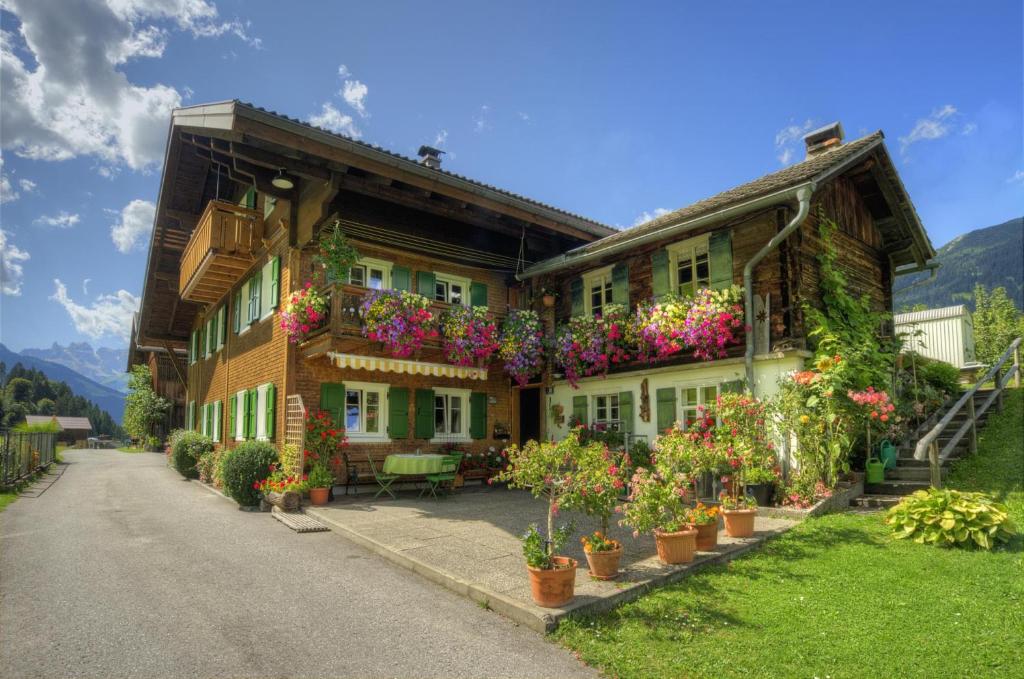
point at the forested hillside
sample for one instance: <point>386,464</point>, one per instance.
<point>27,391</point>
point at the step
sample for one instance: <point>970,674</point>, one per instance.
<point>873,501</point>
<point>894,487</point>
<point>907,473</point>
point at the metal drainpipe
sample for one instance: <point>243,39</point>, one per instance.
<point>803,195</point>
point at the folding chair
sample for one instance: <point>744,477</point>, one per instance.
<point>449,468</point>
<point>382,479</point>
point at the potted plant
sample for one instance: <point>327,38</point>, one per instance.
<point>319,482</point>
<point>548,295</point>
<point>598,478</point>
<point>739,511</point>
<point>705,519</point>
<point>579,349</point>
<point>400,320</point>
<point>658,504</point>
<point>335,254</point>
<point>469,336</point>
<point>304,312</point>
<point>282,488</point>
<point>742,435</point>
<point>761,482</point>
<point>603,554</point>
<point>876,408</point>
<point>545,469</point>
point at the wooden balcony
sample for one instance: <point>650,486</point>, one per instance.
<point>219,251</point>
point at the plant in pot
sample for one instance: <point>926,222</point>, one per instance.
<point>761,483</point>
<point>548,295</point>
<point>521,347</point>
<point>282,488</point>
<point>335,254</point>
<point>742,436</point>
<point>705,519</point>
<point>658,504</point>
<point>304,312</point>
<point>545,469</point>
<point>469,335</point>
<point>599,480</point>
<point>319,481</point>
<point>323,440</point>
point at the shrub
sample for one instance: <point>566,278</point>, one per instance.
<point>243,467</point>
<point>951,518</point>
<point>941,376</point>
<point>186,449</point>
<point>208,466</point>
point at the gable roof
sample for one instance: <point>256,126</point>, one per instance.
<point>65,422</point>
<point>955,311</point>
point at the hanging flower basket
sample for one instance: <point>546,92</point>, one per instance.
<point>305,312</point>
<point>579,349</point>
<point>470,336</point>
<point>400,320</point>
<point>335,255</point>
<point>660,328</point>
<point>714,322</point>
<point>521,347</point>
<point>621,338</point>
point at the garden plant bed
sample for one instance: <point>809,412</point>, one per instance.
<point>839,501</point>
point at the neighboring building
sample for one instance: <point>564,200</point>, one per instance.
<point>245,194</point>
<point>167,365</point>
<point>71,429</point>
<point>945,334</point>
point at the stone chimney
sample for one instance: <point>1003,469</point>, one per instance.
<point>824,139</point>
<point>430,157</point>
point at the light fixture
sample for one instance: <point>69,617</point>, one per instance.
<point>282,181</point>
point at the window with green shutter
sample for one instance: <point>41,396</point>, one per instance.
<point>398,412</point>
<point>665,400</point>
<point>478,294</point>
<point>478,415</point>
<point>249,199</point>
<point>255,289</point>
<point>332,401</point>
<point>271,411</point>
<point>424,416</point>
<point>275,282</point>
<point>660,282</point>
<point>732,387</point>
<point>620,284</point>
<point>720,248</point>
<point>579,410</point>
<point>232,413</point>
<point>626,411</point>
<point>214,335</point>
<point>192,348</point>
<point>254,403</point>
<point>190,416</point>
<point>576,297</point>
<point>202,341</point>
<point>425,281</point>
<point>237,315</point>
<point>400,278</point>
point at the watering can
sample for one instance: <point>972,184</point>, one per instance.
<point>887,453</point>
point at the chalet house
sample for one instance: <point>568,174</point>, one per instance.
<point>69,429</point>
<point>246,193</point>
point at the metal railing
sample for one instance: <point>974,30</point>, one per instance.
<point>928,446</point>
<point>23,453</point>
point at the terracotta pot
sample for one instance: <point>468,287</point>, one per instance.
<point>739,523</point>
<point>604,565</point>
<point>549,300</point>
<point>707,536</point>
<point>555,587</point>
<point>678,547</point>
<point>318,496</point>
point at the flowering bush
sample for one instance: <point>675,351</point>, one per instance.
<point>578,349</point>
<point>323,438</point>
<point>702,515</point>
<point>599,477</point>
<point>621,339</point>
<point>469,335</point>
<point>713,322</point>
<point>279,481</point>
<point>804,490</point>
<point>305,311</point>
<point>522,345</point>
<point>599,542</point>
<point>657,500</point>
<point>399,319</point>
<point>875,403</point>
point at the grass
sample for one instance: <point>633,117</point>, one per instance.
<point>131,450</point>
<point>837,597</point>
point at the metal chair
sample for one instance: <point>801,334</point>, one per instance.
<point>449,468</point>
<point>382,479</point>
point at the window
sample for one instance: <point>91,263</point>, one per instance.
<point>449,419</point>
<point>690,265</point>
<point>606,411</point>
<point>364,414</point>
<point>261,412</point>
<point>240,413</point>
<point>215,433</point>
<point>451,289</point>
<point>694,398</point>
<point>269,291</point>
<point>597,290</point>
<point>371,273</point>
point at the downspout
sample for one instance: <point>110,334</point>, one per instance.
<point>803,195</point>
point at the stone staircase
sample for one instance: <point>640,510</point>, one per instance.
<point>911,475</point>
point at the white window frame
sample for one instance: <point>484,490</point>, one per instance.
<point>202,419</point>
<point>261,412</point>
<point>222,328</point>
<point>363,388</point>
<point>239,432</point>
<point>689,248</point>
<point>598,277</point>
<point>461,436</point>
<point>612,406</point>
<point>215,434</point>
<point>243,305</point>
<point>267,306</point>
<point>684,406</point>
<point>450,280</point>
<point>367,263</point>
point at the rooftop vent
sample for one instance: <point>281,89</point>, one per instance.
<point>430,157</point>
<point>824,139</point>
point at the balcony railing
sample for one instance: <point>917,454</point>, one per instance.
<point>219,251</point>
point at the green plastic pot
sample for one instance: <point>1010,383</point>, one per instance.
<point>875,471</point>
<point>887,453</point>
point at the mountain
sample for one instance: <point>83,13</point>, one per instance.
<point>992,256</point>
<point>103,396</point>
<point>103,365</point>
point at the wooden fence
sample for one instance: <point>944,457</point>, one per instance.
<point>23,453</point>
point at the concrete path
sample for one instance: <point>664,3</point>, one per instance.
<point>122,569</point>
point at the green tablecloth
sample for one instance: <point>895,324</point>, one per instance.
<point>409,464</point>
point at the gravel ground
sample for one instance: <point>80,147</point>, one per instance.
<point>122,569</point>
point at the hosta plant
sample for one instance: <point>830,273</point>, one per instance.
<point>951,518</point>
<point>400,320</point>
<point>470,335</point>
<point>522,345</point>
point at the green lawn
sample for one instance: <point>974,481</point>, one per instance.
<point>836,597</point>
<point>131,450</point>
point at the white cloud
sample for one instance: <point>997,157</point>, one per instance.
<point>343,71</point>
<point>62,220</point>
<point>787,138</point>
<point>441,138</point>
<point>480,119</point>
<point>646,216</point>
<point>11,270</point>
<point>67,98</point>
<point>85,286</point>
<point>27,185</point>
<point>936,125</point>
<point>354,93</point>
<point>1016,178</point>
<point>107,316</point>
<point>7,191</point>
<point>330,118</point>
<point>135,225</point>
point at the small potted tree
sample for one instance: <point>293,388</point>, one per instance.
<point>319,482</point>
<point>599,479</point>
<point>658,504</point>
<point>545,469</point>
<point>742,436</point>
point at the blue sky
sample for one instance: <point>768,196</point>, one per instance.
<point>611,111</point>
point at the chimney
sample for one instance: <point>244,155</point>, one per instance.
<point>824,139</point>
<point>430,157</point>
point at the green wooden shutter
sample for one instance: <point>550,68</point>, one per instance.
<point>478,294</point>
<point>332,400</point>
<point>255,291</point>
<point>223,324</point>
<point>620,284</point>
<point>720,258</point>
<point>398,412</point>
<point>254,401</point>
<point>425,283</point>
<point>626,411</point>
<point>192,348</point>
<point>732,387</point>
<point>238,311</point>
<point>214,331</point>
<point>232,410</point>
<point>478,415</point>
<point>202,341</point>
<point>579,409</point>
<point>218,420</point>
<point>424,414</point>
<point>659,273</point>
<point>249,199</point>
<point>400,278</point>
<point>271,410</point>
<point>275,282</point>
<point>576,297</point>
<point>666,404</point>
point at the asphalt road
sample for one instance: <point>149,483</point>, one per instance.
<point>122,569</point>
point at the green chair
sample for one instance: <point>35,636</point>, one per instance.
<point>449,468</point>
<point>383,480</point>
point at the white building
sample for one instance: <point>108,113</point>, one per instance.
<point>945,334</point>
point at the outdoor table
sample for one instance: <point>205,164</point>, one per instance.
<point>409,464</point>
